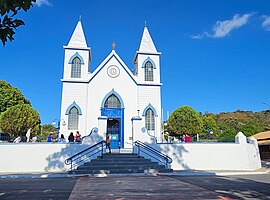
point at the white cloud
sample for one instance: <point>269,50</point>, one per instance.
<point>223,28</point>
<point>200,36</point>
<point>266,23</point>
<point>40,3</point>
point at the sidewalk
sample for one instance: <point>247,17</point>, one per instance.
<point>263,170</point>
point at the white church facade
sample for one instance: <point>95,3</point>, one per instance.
<point>111,97</point>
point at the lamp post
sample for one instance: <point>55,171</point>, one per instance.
<point>210,132</point>
<point>56,124</point>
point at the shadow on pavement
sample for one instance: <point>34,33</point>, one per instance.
<point>233,187</point>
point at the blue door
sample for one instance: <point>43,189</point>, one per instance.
<point>114,129</point>
<point>115,125</point>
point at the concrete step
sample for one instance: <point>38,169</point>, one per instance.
<point>119,160</point>
<point>111,162</point>
<point>121,155</point>
<point>103,167</point>
<point>120,163</point>
<point>121,171</point>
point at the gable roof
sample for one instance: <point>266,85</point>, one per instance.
<point>263,138</point>
<point>107,59</point>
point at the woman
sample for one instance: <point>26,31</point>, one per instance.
<point>62,139</point>
<point>71,137</point>
<point>78,137</point>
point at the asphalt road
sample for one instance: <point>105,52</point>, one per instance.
<point>138,187</point>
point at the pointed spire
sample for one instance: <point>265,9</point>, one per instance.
<point>147,44</point>
<point>77,38</point>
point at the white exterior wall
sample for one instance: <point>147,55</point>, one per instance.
<point>88,92</point>
<point>74,92</point>
<point>151,94</point>
<point>84,67</point>
<point>101,85</point>
<point>140,60</point>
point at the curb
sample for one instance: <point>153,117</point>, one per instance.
<point>194,173</point>
<point>182,173</point>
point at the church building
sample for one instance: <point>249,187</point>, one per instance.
<point>119,102</point>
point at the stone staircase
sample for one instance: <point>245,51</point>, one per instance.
<point>120,163</point>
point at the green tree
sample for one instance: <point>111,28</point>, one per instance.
<point>185,120</point>
<point>16,120</point>
<point>8,21</point>
<point>46,129</point>
<point>209,124</point>
<point>10,96</point>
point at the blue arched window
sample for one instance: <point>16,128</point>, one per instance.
<point>149,119</point>
<point>112,102</point>
<point>73,118</point>
<point>76,68</point>
<point>148,71</point>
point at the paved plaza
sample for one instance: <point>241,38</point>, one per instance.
<point>138,187</point>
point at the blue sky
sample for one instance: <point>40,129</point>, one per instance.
<point>215,53</point>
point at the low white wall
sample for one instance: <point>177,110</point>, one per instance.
<point>37,157</point>
<point>50,157</point>
<point>213,156</point>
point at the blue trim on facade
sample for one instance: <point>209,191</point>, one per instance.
<point>74,56</point>
<point>150,60</point>
<point>109,94</point>
<point>116,113</point>
<point>145,84</point>
<point>152,108</point>
<point>136,118</point>
<point>76,106</point>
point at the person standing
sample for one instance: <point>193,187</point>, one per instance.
<point>108,143</point>
<point>62,139</point>
<point>71,138</point>
<point>50,138</point>
<point>187,138</point>
<point>78,137</point>
<point>28,135</point>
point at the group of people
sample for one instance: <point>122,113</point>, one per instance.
<point>77,138</point>
<point>71,138</point>
<point>19,139</point>
<point>186,138</point>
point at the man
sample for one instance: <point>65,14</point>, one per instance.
<point>108,143</point>
<point>50,138</point>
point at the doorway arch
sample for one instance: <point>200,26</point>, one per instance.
<point>113,108</point>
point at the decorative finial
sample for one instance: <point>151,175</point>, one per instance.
<point>80,18</point>
<point>113,45</point>
<point>144,23</point>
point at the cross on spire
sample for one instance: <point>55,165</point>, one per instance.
<point>113,46</point>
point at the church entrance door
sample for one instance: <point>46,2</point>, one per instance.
<point>114,129</point>
<point>115,125</point>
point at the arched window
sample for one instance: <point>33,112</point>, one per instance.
<point>148,71</point>
<point>73,118</point>
<point>76,68</point>
<point>112,102</point>
<point>149,119</point>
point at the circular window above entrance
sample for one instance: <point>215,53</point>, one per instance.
<point>113,71</point>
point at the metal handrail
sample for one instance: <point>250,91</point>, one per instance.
<point>85,155</point>
<point>142,147</point>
